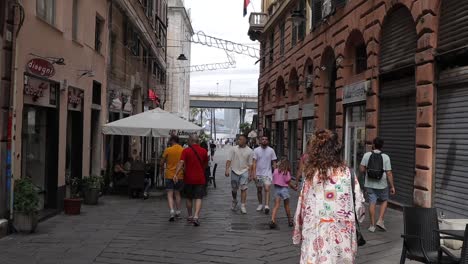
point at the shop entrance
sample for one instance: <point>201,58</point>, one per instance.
<point>74,163</point>
<point>355,135</point>
<point>40,152</point>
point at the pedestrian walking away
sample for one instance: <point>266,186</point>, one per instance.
<point>239,167</point>
<point>212,149</point>
<point>325,219</point>
<point>193,160</point>
<point>378,176</point>
<point>263,159</point>
<point>171,158</point>
<point>282,182</point>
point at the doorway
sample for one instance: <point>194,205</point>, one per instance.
<point>74,155</point>
<point>355,137</point>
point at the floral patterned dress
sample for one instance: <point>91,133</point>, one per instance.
<point>325,222</point>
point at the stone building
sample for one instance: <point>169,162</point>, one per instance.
<point>136,69</point>
<point>389,68</point>
<point>180,32</point>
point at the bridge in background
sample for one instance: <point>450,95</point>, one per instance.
<point>222,101</point>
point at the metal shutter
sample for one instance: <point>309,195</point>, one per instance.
<point>398,128</point>
<point>453,25</point>
<point>451,184</point>
<point>399,40</point>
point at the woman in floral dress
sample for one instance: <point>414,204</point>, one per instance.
<point>324,221</point>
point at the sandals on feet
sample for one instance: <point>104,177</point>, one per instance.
<point>196,222</point>
<point>272,225</point>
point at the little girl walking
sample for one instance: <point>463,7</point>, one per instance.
<point>282,182</point>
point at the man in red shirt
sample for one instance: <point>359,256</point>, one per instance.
<point>194,160</point>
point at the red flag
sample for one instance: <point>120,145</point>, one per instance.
<point>152,95</point>
<point>246,4</point>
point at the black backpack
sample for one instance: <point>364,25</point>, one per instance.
<point>375,166</point>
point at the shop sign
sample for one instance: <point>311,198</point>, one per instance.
<point>41,67</point>
<point>280,114</point>
<point>308,110</point>
<point>35,88</point>
<point>356,92</point>
<point>293,112</point>
<point>75,98</point>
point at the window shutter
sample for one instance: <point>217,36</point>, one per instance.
<point>339,3</point>
<point>316,12</point>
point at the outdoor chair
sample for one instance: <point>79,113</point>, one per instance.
<point>420,242</point>
<point>463,259</point>
<point>136,179</point>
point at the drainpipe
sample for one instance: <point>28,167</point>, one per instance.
<point>17,10</point>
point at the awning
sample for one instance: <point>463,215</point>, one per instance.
<point>155,123</point>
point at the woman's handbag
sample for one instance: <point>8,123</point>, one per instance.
<point>360,238</point>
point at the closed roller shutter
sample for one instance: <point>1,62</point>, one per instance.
<point>451,183</point>
<point>453,33</point>
<point>397,128</point>
<point>399,40</point>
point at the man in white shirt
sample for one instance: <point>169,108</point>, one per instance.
<point>264,157</point>
<point>238,166</point>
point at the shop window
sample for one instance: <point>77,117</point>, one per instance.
<point>98,34</point>
<point>45,9</point>
<point>75,20</point>
<point>361,58</point>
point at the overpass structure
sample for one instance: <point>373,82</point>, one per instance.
<point>241,102</point>
<point>224,101</point>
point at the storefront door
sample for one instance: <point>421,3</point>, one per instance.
<point>355,137</point>
<point>74,161</point>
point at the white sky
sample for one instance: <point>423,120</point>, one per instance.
<point>223,19</point>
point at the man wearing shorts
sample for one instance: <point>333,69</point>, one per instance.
<point>378,189</point>
<point>238,166</point>
<point>264,157</point>
<point>171,158</point>
<point>194,160</point>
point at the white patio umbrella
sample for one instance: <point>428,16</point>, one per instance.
<point>155,123</point>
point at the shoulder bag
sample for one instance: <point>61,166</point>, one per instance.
<point>360,238</point>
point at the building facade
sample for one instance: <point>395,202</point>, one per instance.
<point>180,32</point>
<point>136,70</point>
<point>394,69</point>
<point>58,93</point>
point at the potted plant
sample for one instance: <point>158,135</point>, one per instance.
<point>25,203</point>
<point>72,205</point>
<point>91,189</point>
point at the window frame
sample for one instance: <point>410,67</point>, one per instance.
<point>98,30</point>
<point>49,6</point>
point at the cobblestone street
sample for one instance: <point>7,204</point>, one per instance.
<point>120,230</point>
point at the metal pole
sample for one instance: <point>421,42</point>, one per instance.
<point>214,122</point>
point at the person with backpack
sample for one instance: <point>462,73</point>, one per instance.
<point>378,182</point>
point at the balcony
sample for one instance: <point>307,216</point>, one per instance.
<point>257,23</point>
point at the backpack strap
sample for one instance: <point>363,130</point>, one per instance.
<point>198,157</point>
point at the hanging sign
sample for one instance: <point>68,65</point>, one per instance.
<point>75,98</point>
<point>41,67</point>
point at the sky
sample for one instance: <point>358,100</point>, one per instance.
<point>223,19</point>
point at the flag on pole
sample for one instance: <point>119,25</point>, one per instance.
<point>246,4</point>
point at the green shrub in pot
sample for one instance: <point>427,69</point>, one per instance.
<point>25,203</point>
<point>91,189</point>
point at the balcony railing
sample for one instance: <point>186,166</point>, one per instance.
<point>257,23</point>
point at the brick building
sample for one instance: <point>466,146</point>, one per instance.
<point>389,68</point>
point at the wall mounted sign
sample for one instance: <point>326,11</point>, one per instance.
<point>39,92</point>
<point>40,67</point>
<point>308,110</point>
<point>75,99</point>
<point>280,114</point>
<point>356,92</point>
<point>293,112</point>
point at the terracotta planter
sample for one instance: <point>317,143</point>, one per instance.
<point>72,206</point>
<point>25,222</point>
<point>91,196</point>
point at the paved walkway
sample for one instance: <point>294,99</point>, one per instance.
<point>120,230</point>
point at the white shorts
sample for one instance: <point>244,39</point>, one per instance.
<point>263,181</point>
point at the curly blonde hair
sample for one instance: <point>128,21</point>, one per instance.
<point>324,155</point>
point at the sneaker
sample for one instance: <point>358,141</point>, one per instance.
<point>234,205</point>
<point>267,209</point>
<point>172,218</point>
<point>177,214</point>
<point>196,222</point>
<point>371,229</point>
<point>145,196</point>
<point>260,208</point>
<point>381,225</point>
<point>243,209</point>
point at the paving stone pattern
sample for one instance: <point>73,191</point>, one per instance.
<point>120,230</point>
